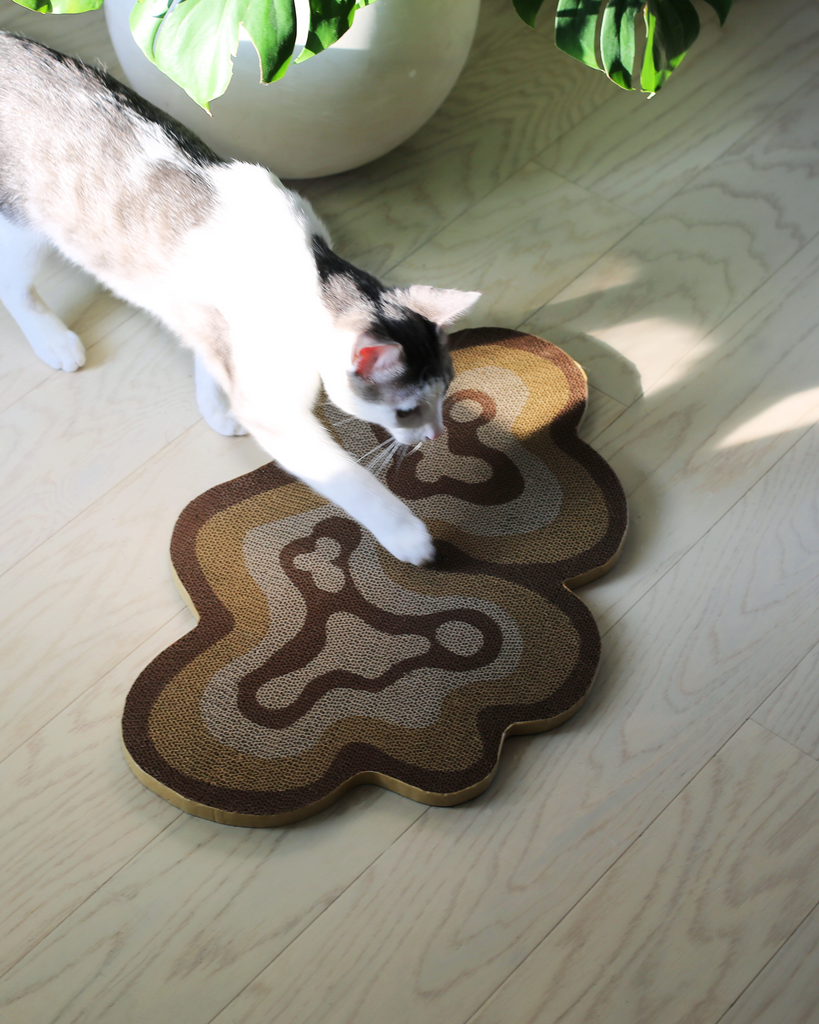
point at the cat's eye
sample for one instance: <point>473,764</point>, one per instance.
<point>403,413</point>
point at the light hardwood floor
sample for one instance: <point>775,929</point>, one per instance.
<point>654,861</point>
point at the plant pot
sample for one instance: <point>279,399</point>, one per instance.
<point>340,109</point>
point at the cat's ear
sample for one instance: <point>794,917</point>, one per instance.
<point>376,360</point>
<point>440,305</point>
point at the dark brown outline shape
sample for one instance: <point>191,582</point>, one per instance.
<point>245,808</point>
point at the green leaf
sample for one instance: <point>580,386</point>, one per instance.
<point>722,7</point>
<point>146,21</point>
<point>329,20</point>
<point>576,29</point>
<point>650,77</point>
<point>194,42</point>
<point>528,10</point>
<point>671,27</point>
<point>678,25</point>
<point>61,6</point>
<point>618,44</point>
<point>271,24</point>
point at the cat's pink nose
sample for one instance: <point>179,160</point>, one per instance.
<point>433,433</point>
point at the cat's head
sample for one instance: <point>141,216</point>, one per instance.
<point>396,367</point>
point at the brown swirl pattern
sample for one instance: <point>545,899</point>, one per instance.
<point>320,662</point>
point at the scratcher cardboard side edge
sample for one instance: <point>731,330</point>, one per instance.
<point>362,778</point>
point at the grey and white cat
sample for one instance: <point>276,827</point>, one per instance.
<point>237,266</point>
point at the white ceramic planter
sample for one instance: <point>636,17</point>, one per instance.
<point>340,109</point>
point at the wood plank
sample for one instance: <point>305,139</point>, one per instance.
<point>73,814</point>
<point>75,436</point>
<point>639,155</point>
<point>191,919</point>
<point>520,245</point>
<point>694,909</point>
<point>444,916</point>
<point>100,586</point>
<point>644,307</point>
<point>792,710</point>
<point>787,989</point>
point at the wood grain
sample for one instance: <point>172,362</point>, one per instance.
<point>792,710</point>
<point>601,412</point>
<point>688,450</point>
<point>72,812</point>
<point>68,293</point>
<point>239,896</point>
<point>516,94</point>
<point>659,836</point>
<point>56,459</point>
<point>653,298</point>
<point>520,245</point>
<point>100,586</point>
<point>639,155</point>
<point>696,907</point>
<point>787,989</point>
<point>439,922</point>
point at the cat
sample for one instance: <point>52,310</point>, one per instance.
<point>239,268</point>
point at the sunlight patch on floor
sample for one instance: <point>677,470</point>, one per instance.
<point>664,351</point>
<point>790,413</point>
<point>614,271</point>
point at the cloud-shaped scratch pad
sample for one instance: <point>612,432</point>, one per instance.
<point>320,662</point>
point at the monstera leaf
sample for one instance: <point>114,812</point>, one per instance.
<point>329,20</point>
<point>611,40</point>
<point>194,41</point>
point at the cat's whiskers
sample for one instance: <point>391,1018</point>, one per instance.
<point>372,451</point>
<point>380,461</point>
<point>384,458</point>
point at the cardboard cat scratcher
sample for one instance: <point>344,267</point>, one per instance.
<point>320,662</point>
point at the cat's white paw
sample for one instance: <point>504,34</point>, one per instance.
<point>224,422</point>
<point>60,348</point>
<point>411,543</point>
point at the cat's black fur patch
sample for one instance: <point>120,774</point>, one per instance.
<point>356,296</point>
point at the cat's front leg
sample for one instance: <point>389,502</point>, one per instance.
<point>54,343</point>
<point>394,526</point>
<point>309,453</point>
